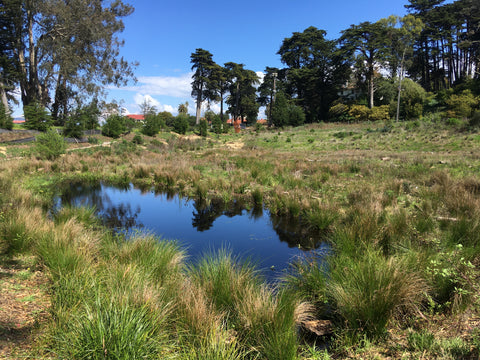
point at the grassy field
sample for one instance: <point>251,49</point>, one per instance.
<point>399,204</point>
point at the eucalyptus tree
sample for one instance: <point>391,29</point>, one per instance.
<point>68,47</point>
<point>402,32</point>
<point>8,72</point>
<point>369,43</point>
<point>203,67</point>
<point>315,72</point>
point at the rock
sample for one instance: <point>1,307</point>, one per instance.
<point>318,327</point>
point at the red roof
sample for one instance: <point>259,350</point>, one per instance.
<point>136,117</point>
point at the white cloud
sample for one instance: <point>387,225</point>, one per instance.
<point>261,75</point>
<point>174,86</point>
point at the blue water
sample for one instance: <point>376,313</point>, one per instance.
<point>271,242</point>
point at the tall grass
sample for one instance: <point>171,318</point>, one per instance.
<point>370,290</point>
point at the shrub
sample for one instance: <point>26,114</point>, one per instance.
<point>412,100</point>
<point>37,117</point>
<point>380,113</point>
<point>151,125</point>
<point>339,112</point>
<point>50,145</point>
<point>475,120</point>
<point>181,124</point>
<point>6,121</point>
<point>203,128</point>
<point>461,105</point>
<point>114,126</point>
<point>359,112</point>
<point>137,139</point>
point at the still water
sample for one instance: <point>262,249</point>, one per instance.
<point>200,227</point>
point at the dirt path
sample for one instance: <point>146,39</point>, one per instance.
<point>24,307</point>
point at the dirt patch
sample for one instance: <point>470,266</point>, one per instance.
<point>24,307</point>
<point>235,145</point>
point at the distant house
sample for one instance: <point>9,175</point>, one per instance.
<point>19,121</point>
<point>136,117</point>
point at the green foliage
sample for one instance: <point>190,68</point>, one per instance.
<point>359,112</point>
<point>50,145</point>
<point>412,100</point>
<point>181,124</point>
<point>109,329</point>
<point>114,126</point>
<point>284,113</point>
<point>474,121</point>
<point>203,128</point>
<point>151,125</point>
<point>37,117</point>
<point>339,112</point>
<point>138,139</point>
<point>217,125</point>
<point>6,121</point>
<point>370,289</point>
<point>462,105</point>
<point>380,113</point>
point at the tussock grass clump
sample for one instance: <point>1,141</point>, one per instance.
<point>109,329</point>
<point>224,278</point>
<point>372,289</point>
<point>161,261</point>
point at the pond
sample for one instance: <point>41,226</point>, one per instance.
<point>271,242</point>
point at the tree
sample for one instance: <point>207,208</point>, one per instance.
<point>242,99</point>
<point>37,117</point>
<point>68,48</point>
<point>203,66</point>
<point>219,84</point>
<point>316,71</point>
<point>272,82</point>
<point>183,108</point>
<point>114,126</point>
<point>369,42</point>
<point>285,113</point>
<point>8,73</point>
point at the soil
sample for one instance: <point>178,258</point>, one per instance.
<point>24,305</point>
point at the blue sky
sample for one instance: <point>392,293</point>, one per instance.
<point>161,35</point>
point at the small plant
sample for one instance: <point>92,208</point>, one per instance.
<point>93,140</point>
<point>138,139</point>
<point>50,145</point>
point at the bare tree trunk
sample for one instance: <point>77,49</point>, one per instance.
<point>3,95</point>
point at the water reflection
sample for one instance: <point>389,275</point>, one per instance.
<point>198,224</point>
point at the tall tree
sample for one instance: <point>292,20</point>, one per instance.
<point>369,43</point>
<point>242,99</point>
<point>316,71</point>
<point>219,84</point>
<point>272,83</point>
<point>203,67</point>
<point>68,47</point>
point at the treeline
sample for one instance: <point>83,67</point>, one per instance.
<point>393,68</point>
<point>397,67</point>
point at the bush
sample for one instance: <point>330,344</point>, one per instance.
<point>37,117</point>
<point>461,105</point>
<point>137,139</point>
<point>114,126</point>
<point>475,120</point>
<point>380,113</point>
<point>412,100</point>
<point>203,128</point>
<point>50,145</point>
<point>339,112</point>
<point>6,121</point>
<point>181,124</point>
<point>151,125</point>
<point>359,112</point>
<point>217,124</point>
